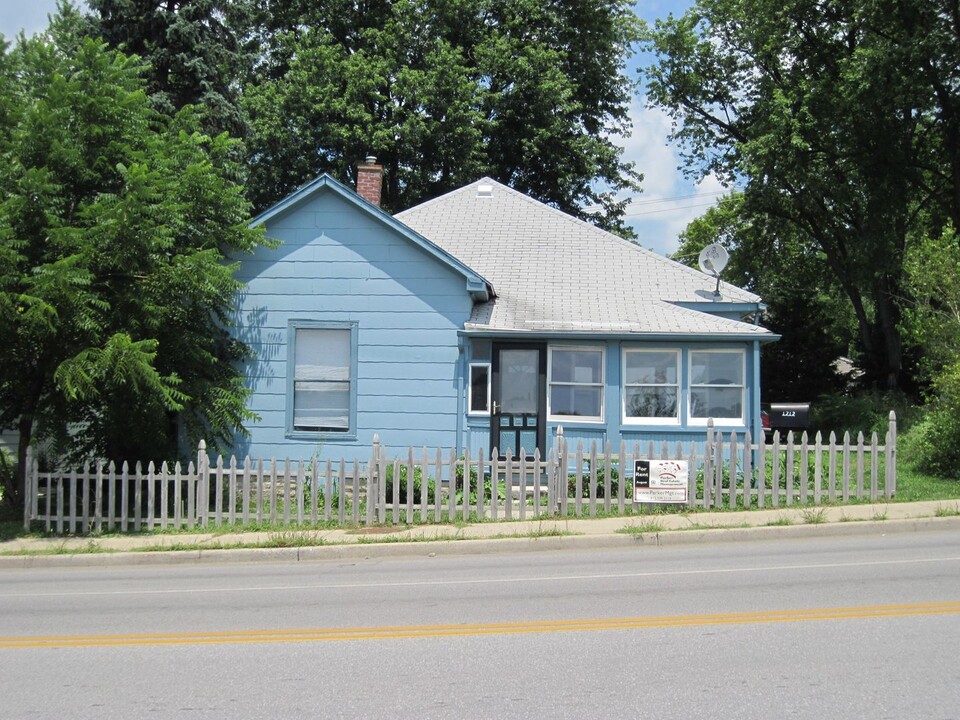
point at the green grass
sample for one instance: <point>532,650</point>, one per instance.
<point>783,520</point>
<point>648,527</point>
<point>914,486</point>
<point>947,510</point>
<point>814,516</point>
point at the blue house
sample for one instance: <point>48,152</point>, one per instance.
<point>480,319</point>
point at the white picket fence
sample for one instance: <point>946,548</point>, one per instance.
<point>725,471</point>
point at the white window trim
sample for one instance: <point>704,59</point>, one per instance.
<point>694,421</point>
<point>470,410</point>
<point>592,420</point>
<point>629,420</point>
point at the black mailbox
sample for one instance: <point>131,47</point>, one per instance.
<point>789,416</point>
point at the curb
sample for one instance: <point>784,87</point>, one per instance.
<point>482,546</point>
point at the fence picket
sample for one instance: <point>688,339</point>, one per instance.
<point>874,470</point>
<point>232,491</point>
<point>260,490</point>
<point>817,468</point>
<point>788,469</point>
<point>775,472</point>
<point>747,470</point>
<point>395,499</point>
<point>467,485</point>
<point>846,467</point>
<point>382,487</point>
<point>177,496</point>
<point>890,466</point>
<point>734,464</point>
<point>411,485</point>
<point>164,495</point>
<point>860,450</point>
<point>85,500</point>
<point>218,492</point>
<point>593,478</point>
<point>622,485</point>
<point>192,480</point>
<point>537,475</point>
<point>452,486</point>
<point>804,468</point>
<point>245,499</point>
<point>832,468</point>
<point>327,489</point>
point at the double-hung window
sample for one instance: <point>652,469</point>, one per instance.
<point>716,384</point>
<point>324,386</point>
<point>651,386</point>
<point>576,383</point>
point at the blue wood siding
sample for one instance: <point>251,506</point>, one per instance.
<point>339,263</point>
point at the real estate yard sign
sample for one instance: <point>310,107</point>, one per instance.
<point>660,481</point>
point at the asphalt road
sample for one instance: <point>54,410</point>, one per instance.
<point>856,627</point>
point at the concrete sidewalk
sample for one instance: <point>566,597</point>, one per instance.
<point>487,537</point>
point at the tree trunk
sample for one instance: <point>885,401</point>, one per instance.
<point>17,492</point>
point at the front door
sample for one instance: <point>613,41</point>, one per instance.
<point>519,398</point>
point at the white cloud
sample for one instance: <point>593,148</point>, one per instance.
<point>669,200</point>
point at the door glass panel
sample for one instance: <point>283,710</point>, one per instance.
<point>508,439</point>
<point>519,381</point>
<point>528,441</point>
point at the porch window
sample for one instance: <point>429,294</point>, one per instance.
<point>323,391</point>
<point>651,385</point>
<point>479,392</point>
<point>576,383</point>
<point>716,384</point>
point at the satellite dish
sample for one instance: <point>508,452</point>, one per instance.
<point>713,259</point>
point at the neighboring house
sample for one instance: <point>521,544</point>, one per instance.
<point>480,319</point>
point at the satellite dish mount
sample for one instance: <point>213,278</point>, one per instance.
<point>713,259</point>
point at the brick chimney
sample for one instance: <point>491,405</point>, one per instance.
<point>370,180</point>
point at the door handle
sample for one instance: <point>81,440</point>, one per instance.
<point>494,408</point>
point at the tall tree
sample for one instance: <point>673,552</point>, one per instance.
<point>441,91</point>
<point>768,257</point>
<point>826,115</point>
<point>192,49</point>
<point>115,222</point>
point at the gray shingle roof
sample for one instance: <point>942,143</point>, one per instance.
<point>554,273</point>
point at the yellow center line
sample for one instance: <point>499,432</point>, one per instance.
<point>424,631</point>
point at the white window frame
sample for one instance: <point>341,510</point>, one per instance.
<point>740,421</point>
<point>470,410</point>
<point>596,420</point>
<point>629,420</point>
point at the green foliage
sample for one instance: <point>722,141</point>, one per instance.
<point>417,488</point>
<point>601,481</point>
<point>840,124</point>
<point>933,444</point>
<point>865,412</point>
<point>192,52</point>
<point>115,226</point>
<point>444,91</point>
<point>803,305</point>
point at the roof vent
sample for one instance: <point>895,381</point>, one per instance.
<point>484,190</point>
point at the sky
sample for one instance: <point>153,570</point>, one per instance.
<point>659,213</point>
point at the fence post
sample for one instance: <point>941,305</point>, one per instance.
<point>29,491</point>
<point>558,483</point>
<point>203,480</point>
<point>373,480</point>
<point>890,482</point>
<point>708,465</point>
